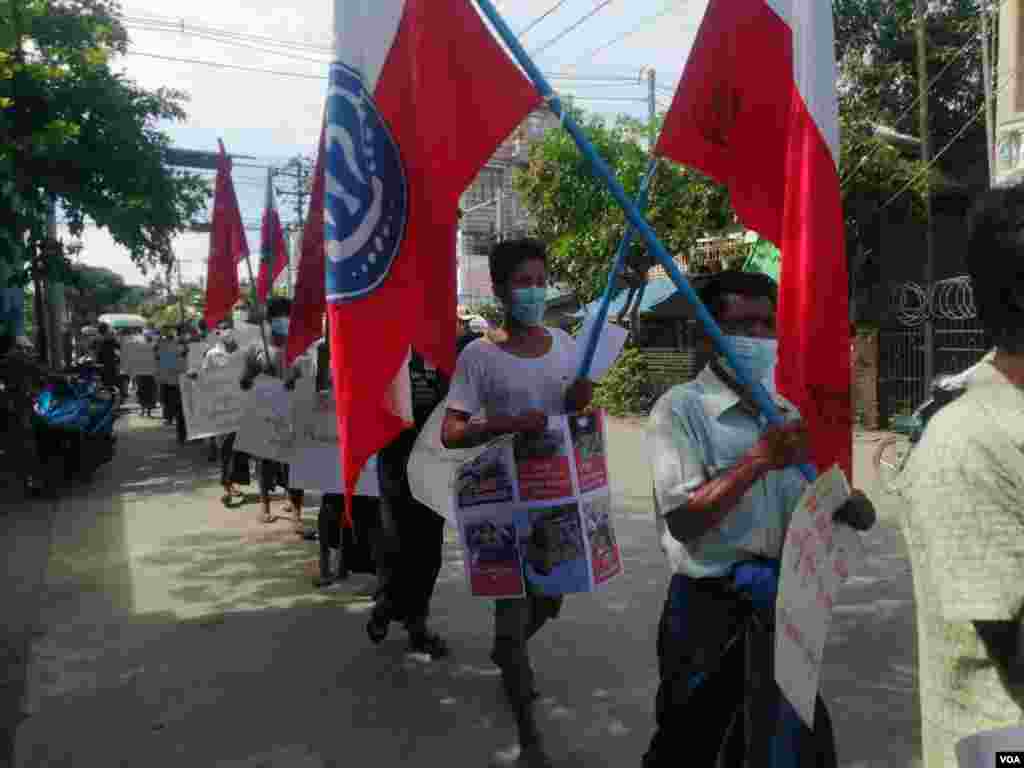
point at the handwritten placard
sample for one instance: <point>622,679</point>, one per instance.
<point>816,559</point>
<point>316,463</point>
<point>213,402</point>
<point>268,422</point>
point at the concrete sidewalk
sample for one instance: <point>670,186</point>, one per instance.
<point>172,631</point>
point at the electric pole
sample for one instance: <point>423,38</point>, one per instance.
<point>986,66</point>
<point>298,172</point>
<point>652,107</point>
<point>926,158</point>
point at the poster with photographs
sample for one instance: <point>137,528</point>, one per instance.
<point>533,510</point>
<point>542,464</point>
<point>605,556</point>
<point>589,449</point>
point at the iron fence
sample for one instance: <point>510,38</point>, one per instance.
<point>959,344</point>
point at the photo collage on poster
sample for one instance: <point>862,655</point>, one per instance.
<point>539,508</point>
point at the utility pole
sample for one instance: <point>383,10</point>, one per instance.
<point>54,292</point>
<point>652,108</point>
<point>986,76</point>
<point>926,158</point>
<point>298,171</point>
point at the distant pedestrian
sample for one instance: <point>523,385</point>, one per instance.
<point>274,473</point>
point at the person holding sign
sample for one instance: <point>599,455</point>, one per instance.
<point>273,473</point>
<point>725,486</point>
<point>964,484</point>
<point>509,382</point>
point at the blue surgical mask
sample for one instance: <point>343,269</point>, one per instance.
<point>279,326</point>
<point>758,356</point>
<point>528,305</point>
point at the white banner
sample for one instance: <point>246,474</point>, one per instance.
<point>816,559</point>
<point>268,422</point>
<point>316,465</point>
<point>196,352</point>
<point>213,402</point>
<point>535,507</point>
<point>138,358</point>
<point>609,346</point>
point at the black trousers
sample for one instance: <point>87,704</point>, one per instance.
<point>418,537</point>
<point>234,465</point>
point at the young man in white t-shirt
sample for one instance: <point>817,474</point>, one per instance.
<point>509,382</point>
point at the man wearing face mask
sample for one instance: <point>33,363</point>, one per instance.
<point>725,487</point>
<point>273,473</point>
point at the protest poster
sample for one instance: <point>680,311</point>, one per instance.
<point>138,358</point>
<point>267,430</point>
<point>213,402</point>
<point>316,462</point>
<point>534,508</point>
<point>817,558</point>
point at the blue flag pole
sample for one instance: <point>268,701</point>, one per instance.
<point>609,290</point>
<point>760,395</point>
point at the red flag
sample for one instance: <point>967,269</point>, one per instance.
<point>310,302</point>
<point>273,251</point>
<point>227,246</point>
<point>409,125</point>
<point>757,111</point>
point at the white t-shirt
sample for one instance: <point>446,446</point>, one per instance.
<point>494,382</point>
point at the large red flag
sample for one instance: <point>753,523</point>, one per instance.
<point>310,301</point>
<point>227,246</point>
<point>273,251</point>
<point>756,110</point>
<point>419,99</point>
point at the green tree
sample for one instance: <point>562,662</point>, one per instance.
<point>71,127</point>
<point>576,215</point>
<point>93,291</point>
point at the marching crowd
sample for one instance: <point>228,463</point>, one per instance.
<point>725,484</point>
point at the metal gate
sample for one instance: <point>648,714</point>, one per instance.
<point>959,344</point>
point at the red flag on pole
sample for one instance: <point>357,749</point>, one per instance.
<point>409,125</point>
<point>228,246</point>
<point>310,301</point>
<point>273,251</point>
<point>756,110</point>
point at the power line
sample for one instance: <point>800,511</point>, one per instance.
<point>221,65</point>
<point>670,7</point>
<point>963,129</point>
<point>180,24</point>
<point>931,87</point>
<point>572,27</point>
<point>541,18</point>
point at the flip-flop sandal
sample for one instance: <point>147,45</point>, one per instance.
<point>267,519</point>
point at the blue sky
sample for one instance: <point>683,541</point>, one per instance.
<point>273,117</point>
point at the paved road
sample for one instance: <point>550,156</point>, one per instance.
<point>171,631</point>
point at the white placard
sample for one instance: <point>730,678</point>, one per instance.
<point>196,352</point>
<point>138,358</point>
<point>980,749</point>
<point>534,508</point>
<point>213,402</point>
<point>316,464</point>
<point>816,559</point>
<point>609,346</point>
<point>268,422</point>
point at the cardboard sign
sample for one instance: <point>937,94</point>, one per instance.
<point>138,358</point>
<point>816,559</point>
<point>214,402</point>
<point>268,422</point>
<point>316,464</point>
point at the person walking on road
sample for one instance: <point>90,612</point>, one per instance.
<point>964,484</point>
<point>725,487</point>
<point>418,531</point>
<point>509,383</point>
<point>274,473</point>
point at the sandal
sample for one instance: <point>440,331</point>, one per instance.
<point>376,630</point>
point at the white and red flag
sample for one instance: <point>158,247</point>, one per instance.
<point>756,110</point>
<point>420,96</point>
<point>273,251</point>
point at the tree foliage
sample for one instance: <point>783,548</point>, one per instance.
<point>73,128</point>
<point>93,291</point>
<point>576,215</point>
